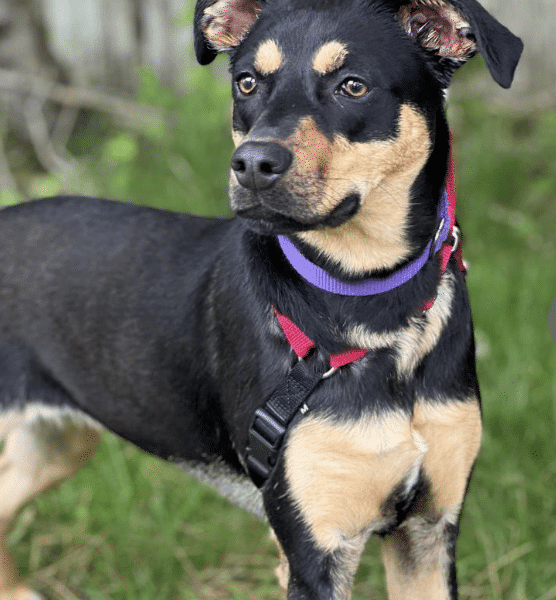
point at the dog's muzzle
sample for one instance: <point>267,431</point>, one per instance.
<point>259,165</point>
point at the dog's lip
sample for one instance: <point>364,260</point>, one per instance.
<point>283,223</point>
<point>343,212</point>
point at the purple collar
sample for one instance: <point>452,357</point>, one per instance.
<point>368,287</point>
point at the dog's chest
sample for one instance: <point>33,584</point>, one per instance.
<point>341,474</point>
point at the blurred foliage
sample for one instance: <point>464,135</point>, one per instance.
<point>178,161</point>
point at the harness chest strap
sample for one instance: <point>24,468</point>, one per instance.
<point>271,421</point>
<point>302,344</point>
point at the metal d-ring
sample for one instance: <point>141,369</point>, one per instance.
<point>456,234</point>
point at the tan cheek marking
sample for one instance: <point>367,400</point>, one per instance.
<point>329,57</point>
<point>452,431</point>
<point>311,149</point>
<point>237,137</point>
<point>268,58</point>
<point>339,474</point>
<point>382,172</point>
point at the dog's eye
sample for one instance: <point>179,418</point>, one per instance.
<point>247,85</point>
<point>354,88</point>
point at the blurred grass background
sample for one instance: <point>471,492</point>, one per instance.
<point>130,527</point>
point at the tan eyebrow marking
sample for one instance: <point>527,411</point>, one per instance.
<point>329,57</point>
<point>268,58</point>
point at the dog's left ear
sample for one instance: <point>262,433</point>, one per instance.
<point>221,25</point>
<point>454,30</point>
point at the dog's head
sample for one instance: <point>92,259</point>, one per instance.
<point>338,120</point>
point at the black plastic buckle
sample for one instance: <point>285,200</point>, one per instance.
<point>271,421</point>
<point>265,440</point>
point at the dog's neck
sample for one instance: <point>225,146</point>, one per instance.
<point>320,278</point>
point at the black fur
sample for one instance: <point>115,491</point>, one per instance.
<point>161,326</point>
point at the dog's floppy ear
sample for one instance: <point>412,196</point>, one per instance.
<point>220,25</point>
<point>454,30</point>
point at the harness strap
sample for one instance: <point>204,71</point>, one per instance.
<point>271,421</point>
<point>453,243</point>
<point>302,344</point>
<point>447,249</point>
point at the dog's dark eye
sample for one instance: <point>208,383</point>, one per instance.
<point>354,88</point>
<point>247,85</point>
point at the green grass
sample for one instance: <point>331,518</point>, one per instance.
<point>130,527</point>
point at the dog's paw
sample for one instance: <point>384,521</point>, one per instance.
<point>20,593</point>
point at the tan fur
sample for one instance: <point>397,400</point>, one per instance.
<point>413,342</point>
<point>325,171</point>
<point>339,474</point>
<point>237,137</point>
<point>37,454</point>
<point>268,58</point>
<point>329,57</point>
<point>312,150</point>
<point>418,339</point>
<point>347,561</point>
<point>382,172</point>
<point>227,22</point>
<point>425,576</point>
<point>416,555</point>
<point>452,432</point>
<point>283,569</point>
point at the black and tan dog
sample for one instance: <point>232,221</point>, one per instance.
<point>176,332</point>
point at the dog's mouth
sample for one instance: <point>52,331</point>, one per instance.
<point>267,220</point>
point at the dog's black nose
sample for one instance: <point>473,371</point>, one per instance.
<point>258,165</point>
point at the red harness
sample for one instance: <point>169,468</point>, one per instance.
<point>301,344</point>
<point>455,248</point>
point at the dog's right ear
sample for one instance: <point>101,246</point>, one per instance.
<point>221,25</point>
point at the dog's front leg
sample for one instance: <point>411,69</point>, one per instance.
<point>339,480</point>
<point>419,556</point>
<point>308,572</point>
